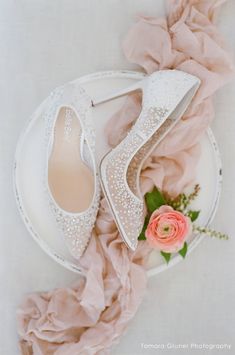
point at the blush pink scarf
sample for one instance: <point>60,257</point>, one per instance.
<point>90,317</point>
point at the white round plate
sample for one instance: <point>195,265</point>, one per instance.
<point>28,174</point>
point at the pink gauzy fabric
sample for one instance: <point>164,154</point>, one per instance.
<point>90,316</point>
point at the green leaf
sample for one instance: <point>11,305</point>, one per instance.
<point>142,234</point>
<point>166,256</point>
<point>154,200</point>
<point>193,215</point>
<point>184,250</point>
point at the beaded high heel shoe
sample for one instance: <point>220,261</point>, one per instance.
<point>71,180</point>
<point>166,96</point>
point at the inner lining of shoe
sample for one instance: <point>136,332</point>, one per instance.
<point>70,180</point>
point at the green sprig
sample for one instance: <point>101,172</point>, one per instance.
<point>210,232</point>
<point>182,201</point>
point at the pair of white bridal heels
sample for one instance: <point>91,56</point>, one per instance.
<point>72,179</point>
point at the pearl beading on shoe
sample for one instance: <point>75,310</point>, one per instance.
<point>149,120</point>
<point>131,207</point>
<point>143,153</point>
<point>75,227</point>
<point>120,168</point>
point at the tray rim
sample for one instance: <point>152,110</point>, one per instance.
<point>127,74</point>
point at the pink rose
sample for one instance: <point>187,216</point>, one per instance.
<point>168,229</point>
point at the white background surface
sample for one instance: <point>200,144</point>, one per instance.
<point>43,44</point>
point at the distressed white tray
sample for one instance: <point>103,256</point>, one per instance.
<point>28,175</point>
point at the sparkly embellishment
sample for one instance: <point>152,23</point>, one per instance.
<point>121,167</point>
<point>151,119</point>
<point>75,227</point>
<point>125,198</point>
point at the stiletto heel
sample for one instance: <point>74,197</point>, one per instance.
<point>166,96</point>
<point>123,92</point>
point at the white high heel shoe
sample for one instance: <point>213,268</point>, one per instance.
<point>71,180</point>
<point>166,96</point>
